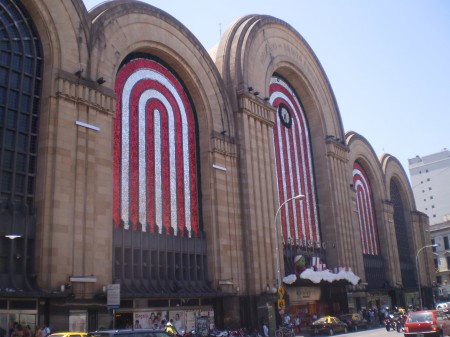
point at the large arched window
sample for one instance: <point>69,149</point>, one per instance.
<point>403,246</point>
<point>366,211</point>
<point>294,166</point>
<point>295,175</point>
<point>20,84</point>
<point>20,81</point>
<point>368,229</point>
<point>158,239</point>
<point>155,160</point>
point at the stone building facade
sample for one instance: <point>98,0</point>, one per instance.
<point>440,234</point>
<point>195,181</point>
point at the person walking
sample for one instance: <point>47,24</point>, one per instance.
<point>45,329</point>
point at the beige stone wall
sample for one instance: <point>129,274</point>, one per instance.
<point>74,192</point>
<point>74,189</point>
<point>362,151</point>
<point>251,51</point>
<point>257,194</point>
<point>417,223</point>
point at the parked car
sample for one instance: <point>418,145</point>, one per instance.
<point>354,321</point>
<point>328,325</point>
<point>427,323</point>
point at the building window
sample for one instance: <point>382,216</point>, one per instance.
<point>433,242</point>
<point>20,90</point>
<point>448,262</point>
<point>446,244</point>
<point>429,188</point>
<point>439,279</point>
<point>365,205</point>
<point>403,244</point>
<point>428,179</point>
<point>20,83</point>
<point>431,197</point>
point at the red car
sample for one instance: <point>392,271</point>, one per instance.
<point>427,323</point>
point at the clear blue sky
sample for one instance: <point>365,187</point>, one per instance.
<point>388,61</point>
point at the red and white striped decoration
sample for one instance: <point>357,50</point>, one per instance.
<point>366,214</point>
<point>155,172</point>
<point>317,264</point>
<point>294,165</point>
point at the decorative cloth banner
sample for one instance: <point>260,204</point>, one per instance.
<point>366,214</point>
<point>294,165</point>
<point>155,172</point>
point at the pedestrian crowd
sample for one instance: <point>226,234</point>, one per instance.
<point>16,329</point>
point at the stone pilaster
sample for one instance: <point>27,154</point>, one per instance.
<point>75,191</point>
<point>254,122</point>
<point>338,225</point>
<point>389,244</point>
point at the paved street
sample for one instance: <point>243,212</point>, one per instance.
<point>374,332</point>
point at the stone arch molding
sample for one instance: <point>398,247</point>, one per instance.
<point>62,48</point>
<point>362,151</point>
<point>393,170</point>
<point>257,46</point>
<point>123,27</point>
<point>99,40</point>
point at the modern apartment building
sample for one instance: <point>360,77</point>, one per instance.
<point>430,181</point>
<point>440,235</point>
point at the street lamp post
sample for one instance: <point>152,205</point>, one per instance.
<point>417,270</point>
<point>277,257</point>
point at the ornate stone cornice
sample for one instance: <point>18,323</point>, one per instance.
<point>223,145</point>
<point>79,90</point>
<point>337,150</point>
<point>256,107</point>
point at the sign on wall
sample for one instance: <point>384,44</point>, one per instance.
<point>303,294</point>
<point>113,296</point>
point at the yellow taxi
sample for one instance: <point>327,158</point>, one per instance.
<point>68,334</point>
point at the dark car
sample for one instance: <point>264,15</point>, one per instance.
<point>427,323</point>
<point>328,325</point>
<point>354,321</point>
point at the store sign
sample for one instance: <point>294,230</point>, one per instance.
<point>113,296</point>
<point>298,294</point>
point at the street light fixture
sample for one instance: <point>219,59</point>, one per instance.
<point>277,257</point>
<point>13,233</point>
<point>417,270</point>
